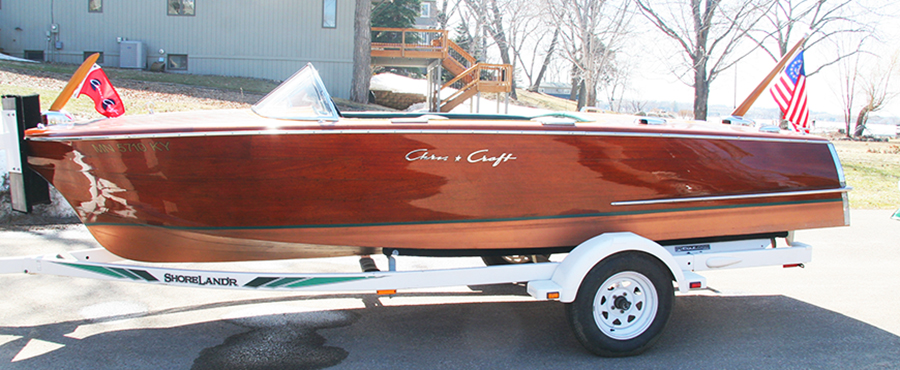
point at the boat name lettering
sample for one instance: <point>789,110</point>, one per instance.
<point>200,280</point>
<point>473,158</point>
<point>478,156</point>
<point>152,146</point>
<point>424,156</point>
<point>692,248</point>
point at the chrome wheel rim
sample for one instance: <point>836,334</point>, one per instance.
<point>625,305</point>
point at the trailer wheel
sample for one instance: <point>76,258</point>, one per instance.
<point>622,305</point>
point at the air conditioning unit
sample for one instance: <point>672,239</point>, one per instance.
<point>132,55</point>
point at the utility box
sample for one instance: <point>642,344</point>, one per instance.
<point>132,55</point>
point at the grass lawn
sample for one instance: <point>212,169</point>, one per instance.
<point>873,170</point>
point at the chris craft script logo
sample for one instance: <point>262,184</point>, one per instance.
<point>478,156</point>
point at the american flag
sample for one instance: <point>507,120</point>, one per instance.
<point>790,95</point>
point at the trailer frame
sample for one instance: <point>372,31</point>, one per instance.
<point>599,311</point>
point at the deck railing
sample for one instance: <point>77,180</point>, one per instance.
<point>410,42</point>
<point>471,77</point>
<point>481,77</point>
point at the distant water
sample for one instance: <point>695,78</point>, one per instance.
<point>873,129</point>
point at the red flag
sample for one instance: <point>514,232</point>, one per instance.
<point>106,100</point>
<point>790,95</point>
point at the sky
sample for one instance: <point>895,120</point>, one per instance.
<point>655,82</point>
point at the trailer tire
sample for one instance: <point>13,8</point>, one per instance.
<point>622,305</point>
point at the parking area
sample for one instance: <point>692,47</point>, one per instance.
<point>838,312</point>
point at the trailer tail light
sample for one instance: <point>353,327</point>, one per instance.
<point>696,285</point>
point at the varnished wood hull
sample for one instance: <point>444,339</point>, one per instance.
<point>245,191</point>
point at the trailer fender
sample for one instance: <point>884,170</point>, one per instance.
<point>572,270</point>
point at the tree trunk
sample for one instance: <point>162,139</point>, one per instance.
<point>580,96</point>
<point>576,81</point>
<point>547,58</point>
<point>861,121</point>
<point>499,36</point>
<point>701,91</point>
<point>362,53</point>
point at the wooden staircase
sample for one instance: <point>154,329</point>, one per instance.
<point>418,44</point>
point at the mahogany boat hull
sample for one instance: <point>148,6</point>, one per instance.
<point>245,191</point>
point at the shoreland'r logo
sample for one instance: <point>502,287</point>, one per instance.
<point>478,156</point>
<point>200,280</point>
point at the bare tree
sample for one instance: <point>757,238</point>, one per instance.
<point>848,72</point>
<point>446,12</point>
<point>591,32</point>
<point>708,33</point>
<point>615,84</point>
<point>548,57</point>
<point>876,92</point>
<point>638,106</point>
<point>470,22</point>
<point>491,18</point>
<point>821,19</point>
<point>362,52</point>
<point>526,30</point>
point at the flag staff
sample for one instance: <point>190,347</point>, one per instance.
<point>742,109</point>
<point>76,79</point>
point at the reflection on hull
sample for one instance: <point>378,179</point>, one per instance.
<point>163,244</point>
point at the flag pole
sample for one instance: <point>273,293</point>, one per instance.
<point>742,109</point>
<point>76,79</point>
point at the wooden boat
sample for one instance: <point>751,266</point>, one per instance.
<point>294,178</point>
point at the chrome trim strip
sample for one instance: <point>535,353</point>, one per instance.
<point>419,132</point>
<point>837,164</point>
<point>729,197</point>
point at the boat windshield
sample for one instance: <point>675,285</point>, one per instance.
<point>301,97</point>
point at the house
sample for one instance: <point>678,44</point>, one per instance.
<point>269,39</point>
<point>427,18</point>
<point>557,89</point>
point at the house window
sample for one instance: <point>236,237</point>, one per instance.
<point>329,13</point>
<point>35,55</point>
<point>89,53</point>
<point>177,62</point>
<point>180,7</point>
<point>425,10</point>
<point>95,6</point>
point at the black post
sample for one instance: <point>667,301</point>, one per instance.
<point>26,187</point>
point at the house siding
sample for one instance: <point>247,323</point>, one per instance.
<point>268,39</point>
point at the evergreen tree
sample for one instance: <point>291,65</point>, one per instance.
<point>463,39</point>
<point>395,14</point>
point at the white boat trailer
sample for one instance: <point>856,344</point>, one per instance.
<point>617,286</point>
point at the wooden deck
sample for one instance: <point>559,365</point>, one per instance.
<point>410,47</point>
